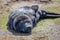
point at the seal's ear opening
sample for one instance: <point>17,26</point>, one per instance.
<point>35,7</point>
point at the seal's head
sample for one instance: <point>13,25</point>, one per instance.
<point>23,25</point>
<point>24,18</point>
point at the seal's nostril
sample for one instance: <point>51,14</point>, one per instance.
<point>28,29</point>
<point>23,30</point>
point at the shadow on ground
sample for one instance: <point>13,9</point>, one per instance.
<point>18,33</point>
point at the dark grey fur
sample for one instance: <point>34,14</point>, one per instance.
<point>25,18</point>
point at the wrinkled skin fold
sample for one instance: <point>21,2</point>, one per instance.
<point>23,19</point>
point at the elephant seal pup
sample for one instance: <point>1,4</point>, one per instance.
<point>23,19</point>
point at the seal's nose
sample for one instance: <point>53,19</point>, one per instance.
<point>26,30</point>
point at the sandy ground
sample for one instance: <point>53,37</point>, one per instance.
<point>51,33</point>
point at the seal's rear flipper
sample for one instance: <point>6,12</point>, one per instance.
<point>50,14</point>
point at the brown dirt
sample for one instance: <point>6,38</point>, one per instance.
<point>53,33</point>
